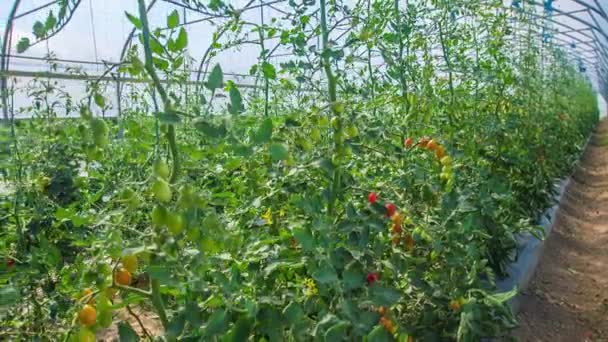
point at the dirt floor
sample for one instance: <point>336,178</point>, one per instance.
<point>567,299</point>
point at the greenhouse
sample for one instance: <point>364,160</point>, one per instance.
<point>303,170</point>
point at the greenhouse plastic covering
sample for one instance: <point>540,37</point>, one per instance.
<point>98,30</point>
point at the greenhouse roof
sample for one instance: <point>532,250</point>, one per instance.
<point>98,32</point>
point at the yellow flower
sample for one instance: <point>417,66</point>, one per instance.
<point>268,216</point>
<point>310,287</point>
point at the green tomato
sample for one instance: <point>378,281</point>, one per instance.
<point>159,215</point>
<point>193,234</point>
<point>161,190</point>
<point>335,123</point>
<point>323,122</point>
<point>161,169</point>
<point>338,107</point>
<point>352,131</point>
<point>175,223</point>
<point>104,318</point>
<point>315,135</point>
<point>86,335</point>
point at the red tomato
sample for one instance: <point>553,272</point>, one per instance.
<point>372,197</point>
<point>372,277</point>
<point>408,142</point>
<point>391,209</point>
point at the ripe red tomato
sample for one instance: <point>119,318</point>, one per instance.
<point>372,197</point>
<point>396,229</point>
<point>372,277</point>
<point>408,142</point>
<point>10,262</point>
<point>431,145</point>
<point>391,209</point>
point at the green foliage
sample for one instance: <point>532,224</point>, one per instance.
<point>268,233</point>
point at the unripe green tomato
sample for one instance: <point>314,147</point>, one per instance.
<point>193,234</point>
<point>86,335</point>
<point>323,121</point>
<point>352,131</point>
<point>100,280</point>
<point>159,215</point>
<point>175,223</point>
<point>104,318</point>
<point>345,151</point>
<point>161,190</point>
<point>315,135</point>
<point>104,269</point>
<point>335,123</point>
<point>338,107</point>
<point>161,169</point>
<point>305,144</point>
<point>445,161</point>
<point>126,194</point>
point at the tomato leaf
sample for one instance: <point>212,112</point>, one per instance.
<point>269,71</point>
<point>168,117</point>
<point>216,78</point>
<point>379,334</point>
<point>39,30</point>
<point>384,296</point>
<point>126,333</point>
<point>236,101</point>
<point>217,323</point>
<point>304,238</point>
<point>24,44</point>
<point>278,152</point>
<point>173,19</point>
<point>264,133</point>
<point>182,39</point>
<point>134,20</point>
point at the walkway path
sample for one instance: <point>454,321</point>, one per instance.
<point>567,299</point>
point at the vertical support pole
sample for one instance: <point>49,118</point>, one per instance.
<point>4,62</point>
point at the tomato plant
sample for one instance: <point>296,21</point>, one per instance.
<point>370,188</point>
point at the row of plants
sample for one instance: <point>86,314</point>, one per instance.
<point>371,188</point>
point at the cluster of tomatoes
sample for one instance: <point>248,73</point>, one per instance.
<point>385,321</point>
<point>87,316</point>
<point>397,223</point>
<point>447,173</point>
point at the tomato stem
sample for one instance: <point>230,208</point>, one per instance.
<point>149,67</point>
<point>331,88</point>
